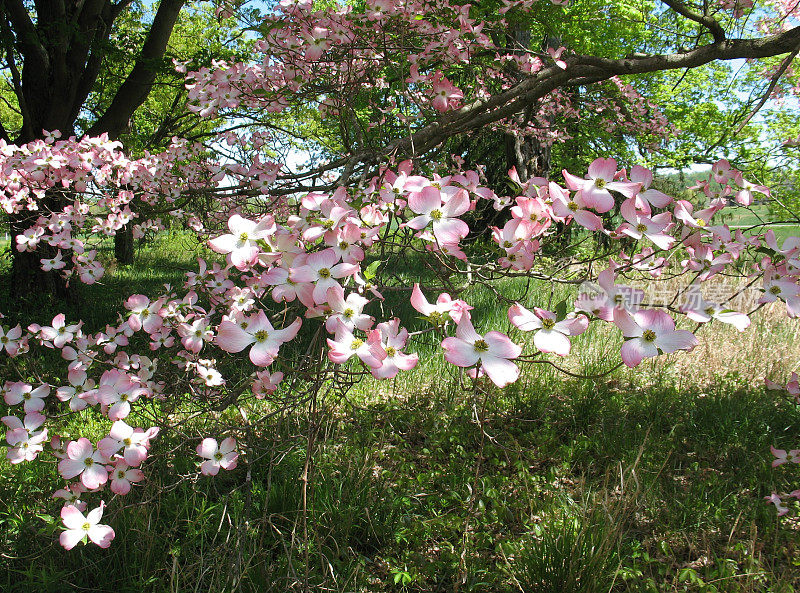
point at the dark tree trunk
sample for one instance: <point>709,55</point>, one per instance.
<point>530,157</point>
<point>28,279</point>
<point>123,245</point>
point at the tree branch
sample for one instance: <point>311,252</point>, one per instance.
<point>765,97</point>
<point>580,70</point>
<point>133,92</point>
<point>705,20</point>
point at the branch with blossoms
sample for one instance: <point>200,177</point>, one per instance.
<point>453,78</point>
<point>234,334</point>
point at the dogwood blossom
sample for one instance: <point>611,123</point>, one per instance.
<point>222,455</point>
<point>493,352</point>
<point>79,526</point>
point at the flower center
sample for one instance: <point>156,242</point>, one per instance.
<point>435,317</point>
<point>344,245</point>
<point>324,273</point>
<point>120,474</point>
<point>700,222</point>
<point>548,323</point>
<point>243,237</point>
<point>709,311</point>
<point>348,313</point>
<point>357,343</point>
<point>481,346</point>
<point>572,206</point>
<point>600,183</point>
<point>4,340</point>
<point>261,335</point>
<point>218,456</point>
<point>436,215</point>
<point>641,227</point>
<point>328,224</point>
<point>775,290</point>
<point>390,351</point>
<point>88,462</point>
<point>508,245</point>
<point>86,526</point>
<point>127,442</point>
<point>649,335</point>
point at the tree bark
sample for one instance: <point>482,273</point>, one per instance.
<point>123,245</point>
<point>28,280</point>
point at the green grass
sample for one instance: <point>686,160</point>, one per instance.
<point>756,219</point>
<point>650,480</point>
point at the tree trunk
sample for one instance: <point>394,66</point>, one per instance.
<point>123,245</point>
<point>28,280</point>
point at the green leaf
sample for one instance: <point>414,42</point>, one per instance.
<point>372,269</point>
<point>561,310</point>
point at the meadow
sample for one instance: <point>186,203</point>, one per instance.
<point>650,479</point>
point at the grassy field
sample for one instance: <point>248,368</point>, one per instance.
<point>648,480</point>
<point>755,218</point>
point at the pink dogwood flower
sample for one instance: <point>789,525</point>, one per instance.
<point>72,495</point>
<point>241,244</point>
<point>637,225</point>
<point>698,309</point>
<point>266,383</point>
<point>82,460</point>
<point>196,334</point>
<point>10,340</point>
<point>25,444</point>
<point>347,311</point>
<point>494,352</point>
<point>778,502</point>
<point>134,442</point>
<point>322,269</point>
<point>60,333</point>
<point>393,340</point>
<point>122,476</point>
<point>75,392</point>
<point>652,196</point>
<point>576,207</point>
<point>434,207</point>
<point>22,392</point>
<point>217,456</point>
<point>144,314</point>
<point>80,527</point>
<point>445,94</point>
<point>650,331</point>
<point>345,344</point>
<point>596,190</point>
<point>551,335</point>
<point>258,331</point>
<point>781,456</point>
<point>445,306</point>
<point>116,391</point>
